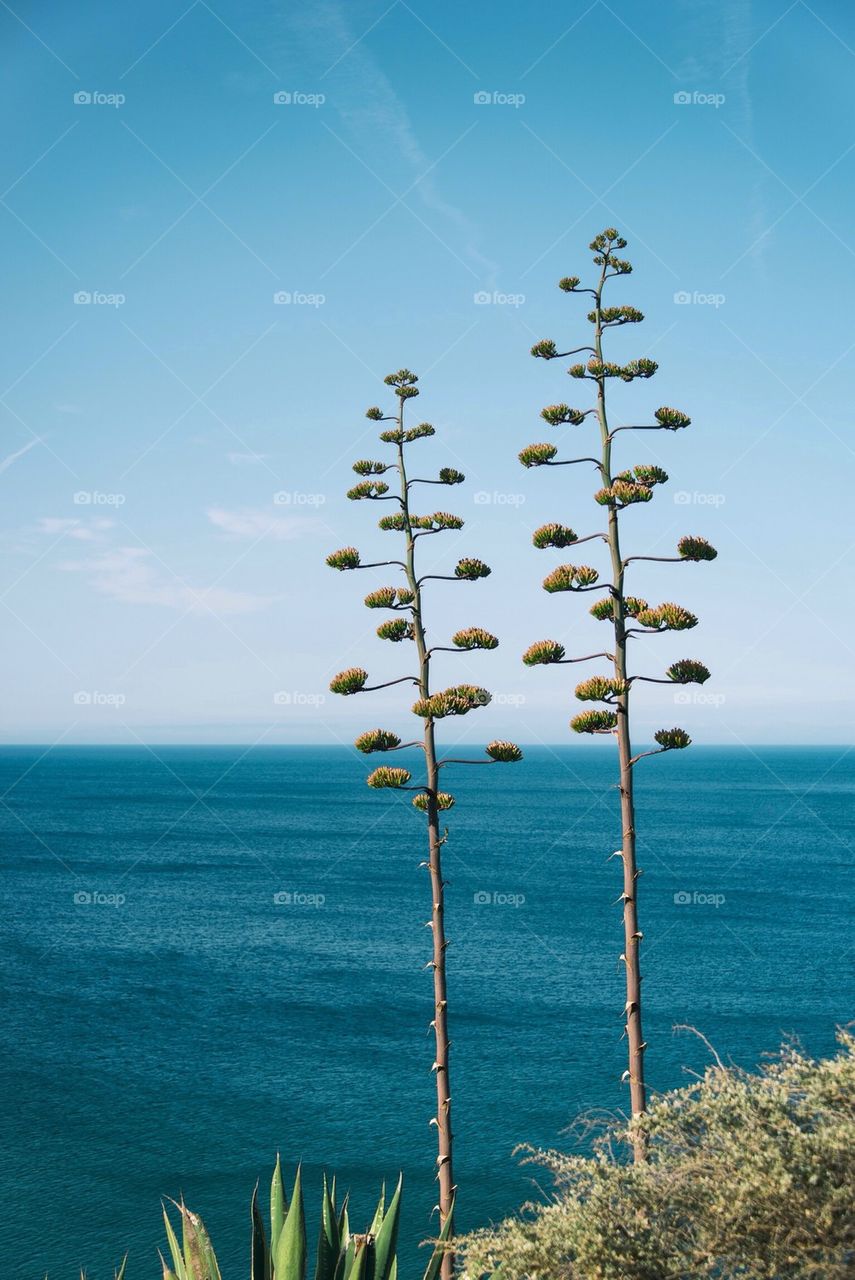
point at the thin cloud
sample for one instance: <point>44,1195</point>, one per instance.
<point>11,458</point>
<point>129,575</point>
<point>257,523</point>
<point>246,459</point>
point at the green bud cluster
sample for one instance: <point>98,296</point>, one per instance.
<point>346,558</point>
<point>364,467</point>
<point>644,473</point>
<point>448,475</point>
<point>350,681</point>
<point>607,240</point>
<point>443,801</point>
<point>673,419</point>
<point>569,284</point>
<point>623,493</point>
<point>386,598</point>
<point>436,522</point>
<point>667,617</point>
<point>545,349</point>
<point>456,701</point>
<point>600,689</point>
<point>474,638</point>
<point>396,522</point>
<point>696,549</point>
<point>537,455</point>
<point>570,577</point>
<point>403,378</point>
<point>553,535</point>
<point>393,436</point>
<point>612,316</point>
<point>419,432</point>
<point>543,652</point>
<point>594,722</point>
<point>471,569</point>
<point>687,671</point>
<point>387,776</point>
<point>374,413</point>
<point>672,739</point>
<point>396,629</point>
<point>377,740</point>
<point>504,752</point>
<point>558,415</point>
<point>367,489</point>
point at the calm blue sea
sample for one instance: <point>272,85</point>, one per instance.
<point>168,1023</point>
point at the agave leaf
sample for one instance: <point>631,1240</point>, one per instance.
<point>344,1223</point>
<point>167,1273</point>
<point>386,1237</point>
<point>277,1206</point>
<point>289,1260</point>
<point>345,1262</point>
<point>433,1267</point>
<point>120,1274</point>
<point>328,1238</point>
<point>199,1257</point>
<point>174,1248</point>
<point>260,1266</point>
<point>393,1270</point>
<point>364,1260</point>
<point>378,1212</point>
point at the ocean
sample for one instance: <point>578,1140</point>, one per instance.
<point>211,954</point>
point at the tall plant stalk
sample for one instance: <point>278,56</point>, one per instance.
<point>458,700</point>
<point>629,615</point>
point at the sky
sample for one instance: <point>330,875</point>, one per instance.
<point>224,223</point>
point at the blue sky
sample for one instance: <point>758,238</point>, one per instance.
<point>155,589</point>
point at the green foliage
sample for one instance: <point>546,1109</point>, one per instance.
<point>553,535</point>
<point>543,652</point>
<point>600,689</point>
<point>695,549</point>
<point>456,701</point>
<point>377,740</point>
<point>368,489</point>
<point>667,617</point>
<point>560,414</point>
<point>687,671</point>
<point>474,638</point>
<point>644,473</point>
<point>537,455</point>
<point>443,801</point>
<point>434,523</point>
<point>396,629</point>
<point>612,316</point>
<point>364,467</point>
<point>594,722</point>
<point>448,475</point>
<point>470,569</point>
<point>749,1176</point>
<point>623,493</point>
<point>346,558</point>
<point>503,752</point>
<point>388,776</point>
<point>420,432</point>
<point>395,522</point>
<point>570,577</point>
<point>672,739</point>
<point>374,413</point>
<point>672,419</point>
<point>382,598</point>
<point>545,349</point>
<point>569,284</point>
<point>350,681</point>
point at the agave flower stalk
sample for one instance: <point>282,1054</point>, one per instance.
<point>628,615</point>
<point>408,625</point>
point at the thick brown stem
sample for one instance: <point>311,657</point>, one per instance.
<point>442,1120</point>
